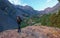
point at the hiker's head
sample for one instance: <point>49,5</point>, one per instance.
<point>18,17</point>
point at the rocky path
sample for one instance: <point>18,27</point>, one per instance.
<point>32,32</point>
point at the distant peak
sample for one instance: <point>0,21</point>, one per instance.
<point>48,8</point>
<point>28,7</point>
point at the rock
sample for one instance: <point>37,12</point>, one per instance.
<point>32,32</point>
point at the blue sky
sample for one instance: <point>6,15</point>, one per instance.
<point>36,4</point>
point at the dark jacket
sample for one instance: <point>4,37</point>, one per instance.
<point>19,20</point>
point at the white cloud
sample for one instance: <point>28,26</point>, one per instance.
<point>17,2</point>
<point>24,4</point>
<point>48,1</point>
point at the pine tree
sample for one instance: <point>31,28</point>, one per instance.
<point>55,19</point>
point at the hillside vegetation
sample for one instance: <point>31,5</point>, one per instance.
<point>52,20</point>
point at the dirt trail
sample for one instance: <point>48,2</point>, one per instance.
<point>32,32</point>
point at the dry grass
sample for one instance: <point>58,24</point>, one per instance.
<point>32,32</point>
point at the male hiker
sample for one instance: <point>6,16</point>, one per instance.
<point>19,23</point>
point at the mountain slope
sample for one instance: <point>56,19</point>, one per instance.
<point>50,9</point>
<point>8,14</point>
<point>32,32</point>
<point>27,10</point>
